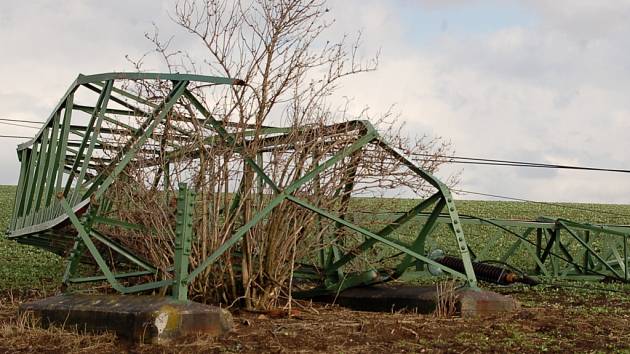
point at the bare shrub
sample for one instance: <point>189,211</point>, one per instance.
<point>446,299</point>
<point>277,49</point>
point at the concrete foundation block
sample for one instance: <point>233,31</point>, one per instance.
<point>471,303</point>
<point>152,319</point>
<point>423,299</point>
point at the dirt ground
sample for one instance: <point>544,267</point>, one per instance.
<point>550,320</point>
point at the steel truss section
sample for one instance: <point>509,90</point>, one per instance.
<point>63,179</point>
<point>64,176</point>
<point>551,248</point>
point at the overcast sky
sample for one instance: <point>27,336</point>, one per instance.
<point>543,81</point>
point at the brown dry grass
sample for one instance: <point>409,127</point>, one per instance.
<point>22,334</point>
<point>553,321</point>
<point>446,299</point>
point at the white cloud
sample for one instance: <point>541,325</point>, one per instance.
<point>551,90</point>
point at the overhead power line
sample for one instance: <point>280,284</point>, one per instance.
<point>21,121</point>
<point>15,136</point>
<point>18,125</point>
<point>511,163</point>
<point>446,158</point>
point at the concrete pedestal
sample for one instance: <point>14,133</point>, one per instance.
<point>422,299</point>
<point>138,318</point>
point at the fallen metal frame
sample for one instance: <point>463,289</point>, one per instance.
<point>60,198</point>
<point>60,191</point>
<point>564,249</point>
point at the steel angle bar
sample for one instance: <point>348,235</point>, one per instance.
<point>553,236</point>
<point>515,245</point>
<point>236,237</point>
<point>474,220</point>
<point>62,151</point>
<point>122,112</point>
<point>400,221</point>
<point>104,278</point>
<point>240,232</point>
<point>458,231</point>
<point>136,109</point>
<point>123,251</point>
<point>370,234</point>
<point>110,277</point>
<point>138,112</point>
<point>82,79</point>
<point>47,178</point>
<point>20,187</point>
<point>597,228</point>
<point>418,244</point>
<point>28,181</point>
<point>489,245</point>
<point>212,140</point>
<point>532,252</point>
<point>114,222</point>
<point>37,180</point>
<point>86,142</point>
<point>410,164</point>
<point>73,260</point>
<point>112,131</point>
<point>618,259</point>
<point>183,239</point>
<point>103,181</point>
<point>589,248</point>
<point>230,140</point>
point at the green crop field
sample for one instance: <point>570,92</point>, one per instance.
<point>556,317</point>
<point>24,266</point>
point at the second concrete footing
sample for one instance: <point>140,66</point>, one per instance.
<point>424,299</point>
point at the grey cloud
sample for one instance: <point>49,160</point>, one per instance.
<point>538,87</point>
<point>552,91</point>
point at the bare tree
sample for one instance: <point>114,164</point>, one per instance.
<point>289,72</point>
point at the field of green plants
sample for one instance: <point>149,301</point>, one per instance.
<point>576,317</point>
<point>495,242</point>
<point>24,266</point>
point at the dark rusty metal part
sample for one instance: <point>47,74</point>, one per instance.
<point>487,272</point>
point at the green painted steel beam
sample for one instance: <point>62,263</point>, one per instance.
<point>400,221</point>
<point>86,142</point>
<point>111,278</point>
<point>381,239</point>
<point>183,240</point>
<point>19,191</point>
<point>103,181</point>
<point>418,244</point>
<point>99,278</point>
<point>123,251</point>
<point>590,249</point>
<point>84,79</point>
<point>279,198</point>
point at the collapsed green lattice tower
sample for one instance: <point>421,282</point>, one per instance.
<point>84,149</point>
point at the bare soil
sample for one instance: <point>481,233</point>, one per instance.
<point>550,320</point>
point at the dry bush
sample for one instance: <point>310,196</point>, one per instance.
<point>276,48</point>
<point>446,299</point>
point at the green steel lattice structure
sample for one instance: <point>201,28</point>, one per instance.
<point>64,176</point>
